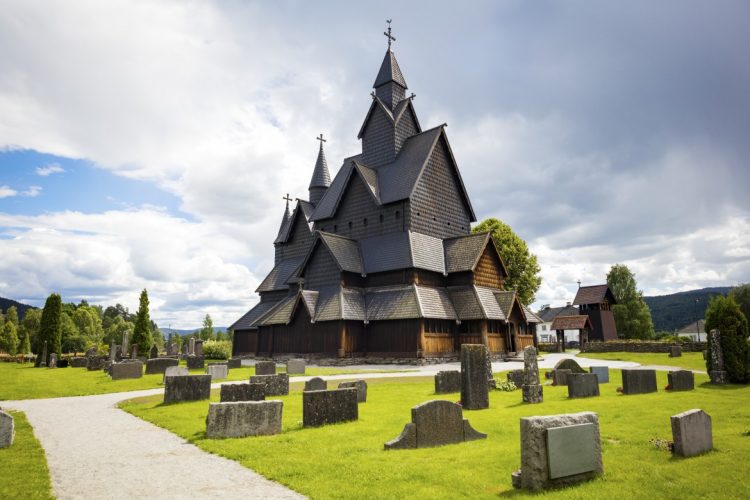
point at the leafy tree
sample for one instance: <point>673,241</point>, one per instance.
<point>117,329</point>
<point>523,268</point>
<point>740,294</point>
<point>30,326</point>
<point>142,332</point>
<point>89,324</point>
<point>723,314</point>
<point>11,314</point>
<point>50,327</point>
<point>71,338</point>
<point>207,332</point>
<point>24,343</point>
<point>157,336</point>
<point>9,338</point>
<point>632,315</point>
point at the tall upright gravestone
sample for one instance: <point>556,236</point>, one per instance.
<point>154,353</point>
<point>531,388</point>
<point>474,383</point>
<point>44,355</point>
<point>125,344</point>
<point>717,373</point>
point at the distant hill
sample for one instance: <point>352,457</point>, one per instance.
<point>187,331</point>
<point>672,312</point>
<point>22,308</point>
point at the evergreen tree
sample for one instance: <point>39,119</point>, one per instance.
<point>24,343</point>
<point>9,338</point>
<point>142,331</point>
<point>740,294</point>
<point>632,315</point>
<point>30,326</point>
<point>11,314</point>
<point>723,314</point>
<point>50,328</point>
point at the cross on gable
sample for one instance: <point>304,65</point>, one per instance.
<point>321,141</point>
<point>388,34</point>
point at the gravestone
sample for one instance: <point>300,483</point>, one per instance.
<point>234,363</point>
<point>78,362</point>
<point>187,388</point>
<point>638,381</point>
<point>692,433</point>
<point>154,353</point>
<point>173,349</point>
<point>447,382</point>
<point>488,366</point>
<point>7,429</point>
<point>174,371</point>
<point>361,387</point>
<point>134,352</point>
<point>705,355</point>
<point>560,376</point>
<point>126,369</point>
<point>559,450</point>
<point>159,365</point>
<point>196,362</point>
<point>275,385</point>
<point>52,360</point>
<point>435,423</point>
<point>112,351</point>
<point>243,418</point>
<point>217,371</point>
<point>316,384</point>
<point>582,385</point>
<point>94,363</point>
<point>295,367</point>
<point>185,349</point>
<point>601,372</point>
<point>118,353</point>
<point>474,386</point>
<point>265,368</point>
<point>675,351</point>
<point>125,344</point>
<point>191,350</point>
<point>569,364</point>
<point>242,392</point>
<point>63,363</point>
<point>198,347</point>
<point>516,376</point>
<point>328,407</point>
<point>681,380</point>
<point>44,355</point>
<point>716,372</point>
<point>531,388</point>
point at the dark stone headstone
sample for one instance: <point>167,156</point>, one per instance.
<point>187,388</point>
<point>716,371</point>
<point>63,363</point>
<point>316,384</point>
<point>196,362</point>
<point>516,376</point>
<point>447,382</point>
<point>681,380</point>
<point>234,363</point>
<point>569,364</point>
<point>265,368</point>
<point>560,376</point>
<point>582,385</point>
<point>242,392</point>
<point>474,386</point>
<point>329,407</point>
<point>160,365</point>
<point>243,418</point>
<point>361,387</point>
<point>435,423</point>
<point>130,369</point>
<point>638,381</point>
<point>198,347</point>
<point>7,430</point>
<point>185,348</point>
<point>134,352</point>
<point>94,363</point>
<point>531,389</point>
<point>154,352</point>
<point>78,362</point>
<point>275,385</point>
<point>601,372</point>
<point>675,351</point>
<point>692,433</point>
<point>488,366</point>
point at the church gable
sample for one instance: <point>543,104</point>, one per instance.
<point>300,237</point>
<point>321,269</point>
<point>489,271</point>
<point>378,140</point>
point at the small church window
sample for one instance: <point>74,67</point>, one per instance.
<point>381,217</point>
<point>364,221</point>
<point>350,224</point>
<point>335,228</point>
<point>398,214</point>
<point>434,219</point>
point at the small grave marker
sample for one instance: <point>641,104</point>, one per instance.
<point>692,433</point>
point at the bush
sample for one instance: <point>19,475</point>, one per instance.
<point>217,349</point>
<point>724,314</point>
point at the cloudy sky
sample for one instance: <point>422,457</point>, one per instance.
<point>149,144</point>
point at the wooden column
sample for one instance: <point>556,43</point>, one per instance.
<point>342,339</point>
<point>420,339</point>
<point>483,333</point>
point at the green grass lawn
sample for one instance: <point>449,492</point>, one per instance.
<point>348,461</point>
<point>23,381</point>
<point>23,466</point>
<point>688,360</point>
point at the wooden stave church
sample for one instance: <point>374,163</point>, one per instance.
<point>381,261</point>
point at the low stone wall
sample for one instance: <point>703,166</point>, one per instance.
<point>645,346</point>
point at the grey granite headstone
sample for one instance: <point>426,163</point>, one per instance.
<point>242,392</point>
<point>234,363</point>
<point>94,363</point>
<point>217,371</point>
<point>491,383</point>
<point>243,418</point>
<point>276,385</point>
<point>435,423</point>
<point>516,376</point>
<point>160,365</point>
<point>185,348</point>
<point>582,385</point>
<point>187,388</point>
<point>112,351</point>
<point>191,349</point>
<point>265,368</point>
<point>154,353</point>
<point>638,381</point>
<point>316,384</point>
<point>198,347</point>
<point>716,371</point>
<point>134,352</point>
<point>125,344</point>
<point>692,433</point>
<point>558,450</point>
<point>681,380</point>
<point>129,369</point>
<point>560,376</point>
<point>78,362</point>
<point>329,407</point>
<point>675,351</point>
<point>601,372</point>
<point>52,360</point>
<point>295,367</point>
<point>447,382</point>
<point>44,355</point>
<point>7,429</point>
<point>175,371</point>
<point>569,364</point>
<point>196,362</point>
<point>361,387</point>
<point>474,384</point>
<point>531,389</point>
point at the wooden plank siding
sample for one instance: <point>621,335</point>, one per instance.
<point>393,337</point>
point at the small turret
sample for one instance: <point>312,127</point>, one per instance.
<point>321,178</point>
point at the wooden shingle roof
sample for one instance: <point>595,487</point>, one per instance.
<point>389,71</point>
<point>399,302</point>
<point>345,251</point>
<point>247,319</point>
<point>279,275</point>
<point>321,176</point>
<point>591,295</point>
<point>579,322</point>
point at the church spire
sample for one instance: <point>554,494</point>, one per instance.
<point>287,214</point>
<point>390,86</point>
<point>321,178</point>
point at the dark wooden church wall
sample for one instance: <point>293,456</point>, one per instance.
<point>602,324</point>
<point>393,337</point>
<point>437,206</point>
<point>301,336</point>
<point>378,141</point>
<point>321,270</point>
<point>244,342</point>
<point>299,241</point>
<point>488,271</point>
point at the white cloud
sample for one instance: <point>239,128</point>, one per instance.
<point>52,168</point>
<point>7,192</point>
<point>32,192</point>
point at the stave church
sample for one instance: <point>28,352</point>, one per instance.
<point>380,261</point>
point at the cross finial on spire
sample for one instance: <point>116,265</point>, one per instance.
<point>321,139</point>
<point>287,198</point>
<point>388,33</point>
